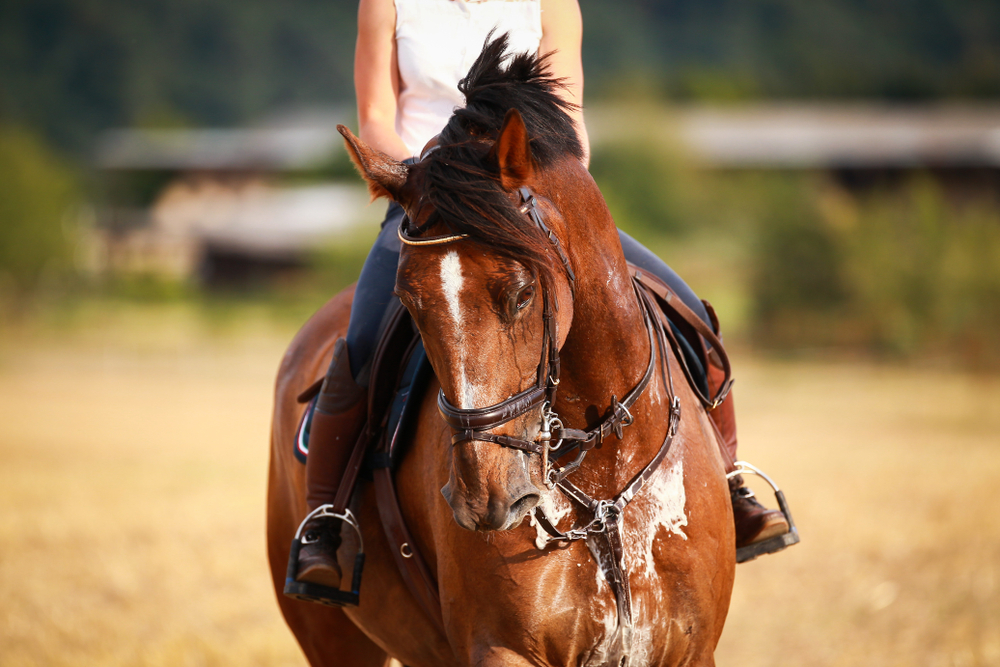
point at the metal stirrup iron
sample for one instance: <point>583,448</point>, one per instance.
<point>772,544</point>
<point>311,592</point>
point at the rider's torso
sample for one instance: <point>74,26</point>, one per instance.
<point>437,41</point>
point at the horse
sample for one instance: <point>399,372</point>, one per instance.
<point>513,273</point>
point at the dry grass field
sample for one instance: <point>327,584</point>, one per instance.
<point>132,483</point>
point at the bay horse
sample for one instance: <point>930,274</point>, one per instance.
<point>513,273</point>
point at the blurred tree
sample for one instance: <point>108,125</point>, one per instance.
<point>71,67</point>
<point>37,197</point>
<point>649,188</point>
<point>707,49</point>
<point>904,272</point>
<point>797,263</point>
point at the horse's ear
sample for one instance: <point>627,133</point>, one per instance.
<point>385,176</point>
<point>513,152</point>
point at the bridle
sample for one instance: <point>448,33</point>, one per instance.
<point>554,440</point>
<point>478,423</point>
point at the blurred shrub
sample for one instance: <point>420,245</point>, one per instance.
<point>795,266</point>
<point>37,197</point>
<point>338,263</point>
<point>905,272</point>
<point>649,190</point>
<point>924,273</point>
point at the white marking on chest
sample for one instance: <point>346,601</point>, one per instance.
<point>661,505</point>
<point>664,507</point>
<point>670,496</point>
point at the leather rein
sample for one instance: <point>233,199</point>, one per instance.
<point>555,440</point>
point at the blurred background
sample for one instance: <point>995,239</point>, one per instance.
<point>175,202</point>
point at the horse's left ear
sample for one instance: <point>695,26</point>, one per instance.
<point>513,152</point>
<point>385,176</point>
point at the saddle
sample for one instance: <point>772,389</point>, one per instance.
<point>399,377</point>
<point>400,372</point>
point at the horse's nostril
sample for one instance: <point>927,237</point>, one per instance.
<point>523,505</point>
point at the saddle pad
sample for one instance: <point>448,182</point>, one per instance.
<point>302,433</point>
<point>413,382</point>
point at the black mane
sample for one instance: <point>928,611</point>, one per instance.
<point>525,84</point>
<point>462,179</point>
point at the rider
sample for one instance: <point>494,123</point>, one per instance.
<point>409,57</point>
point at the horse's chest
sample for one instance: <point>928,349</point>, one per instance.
<point>653,531</point>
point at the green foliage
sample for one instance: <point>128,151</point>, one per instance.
<point>650,191</point>
<point>731,49</point>
<point>37,197</point>
<point>339,263</point>
<point>72,67</point>
<point>904,272</point>
<point>924,273</point>
<point>796,264</point>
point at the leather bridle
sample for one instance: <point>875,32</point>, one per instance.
<point>555,440</point>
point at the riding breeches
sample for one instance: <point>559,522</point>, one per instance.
<point>378,279</point>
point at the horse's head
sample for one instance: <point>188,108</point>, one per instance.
<point>488,289</point>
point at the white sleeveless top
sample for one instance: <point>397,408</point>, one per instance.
<point>436,43</point>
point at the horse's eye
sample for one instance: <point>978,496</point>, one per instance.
<point>524,297</point>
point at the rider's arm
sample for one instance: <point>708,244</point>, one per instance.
<point>376,77</point>
<point>562,32</point>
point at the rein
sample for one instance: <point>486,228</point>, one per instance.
<point>555,440</point>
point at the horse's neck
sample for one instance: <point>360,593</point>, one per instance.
<point>607,350</point>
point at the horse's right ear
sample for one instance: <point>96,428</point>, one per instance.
<point>384,175</point>
<point>513,152</point>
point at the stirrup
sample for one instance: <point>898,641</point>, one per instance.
<point>772,544</point>
<point>310,592</point>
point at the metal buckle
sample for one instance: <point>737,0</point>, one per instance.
<point>605,511</point>
<point>619,422</point>
<point>675,415</point>
<point>550,422</point>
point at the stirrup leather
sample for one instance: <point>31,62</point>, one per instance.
<point>772,544</point>
<point>310,592</point>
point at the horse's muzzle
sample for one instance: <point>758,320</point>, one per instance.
<point>501,510</point>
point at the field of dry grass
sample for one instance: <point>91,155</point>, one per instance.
<point>132,507</point>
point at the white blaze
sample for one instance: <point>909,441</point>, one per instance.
<point>451,286</point>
